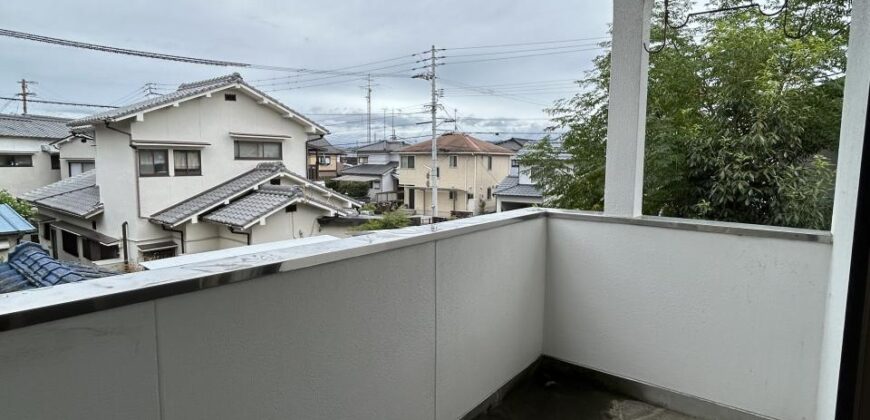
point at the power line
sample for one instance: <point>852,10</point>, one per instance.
<point>562,47</point>
<point>529,43</point>
<point>523,56</point>
<point>59,103</point>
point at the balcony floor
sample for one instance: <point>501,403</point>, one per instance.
<point>547,394</point>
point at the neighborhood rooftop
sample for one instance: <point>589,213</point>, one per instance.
<point>457,143</point>
<point>33,126</point>
<point>370,169</point>
<point>78,195</point>
<point>188,91</point>
<point>510,186</point>
<point>12,223</point>
<point>261,203</point>
<point>383,146</point>
<point>30,266</point>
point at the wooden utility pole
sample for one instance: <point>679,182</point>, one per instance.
<point>25,93</point>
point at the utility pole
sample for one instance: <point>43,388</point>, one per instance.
<point>455,120</point>
<point>25,93</point>
<point>369,108</point>
<point>433,107</point>
<point>151,89</point>
<point>385,123</point>
<point>393,124</point>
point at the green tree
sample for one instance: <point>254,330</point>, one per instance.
<point>741,120</point>
<point>20,206</point>
<point>389,220</point>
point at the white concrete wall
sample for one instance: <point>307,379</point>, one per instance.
<point>732,319</point>
<point>18,180</point>
<point>76,150</point>
<point>281,226</point>
<point>354,338</point>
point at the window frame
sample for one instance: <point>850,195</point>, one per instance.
<point>64,238</point>
<point>453,161</point>
<point>55,162</point>
<point>69,164</point>
<point>152,152</point>
<point>186,171</point>
<point>489,163</point>
<point>260,149</point>
<point>324,160</point>
<point>409,162</point>
<point>15,157</point>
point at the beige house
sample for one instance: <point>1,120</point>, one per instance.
<point>324,160</point>
<point>213,165</point>
<point>469,169</point>
<point>26,159</point>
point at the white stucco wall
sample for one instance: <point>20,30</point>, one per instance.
<point>354,338</point>
<point>76,150</point>
<point>19,180</point>
<point>732,319</point>
<point>293,225</point>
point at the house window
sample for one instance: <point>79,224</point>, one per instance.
<point>187,162</point>
<point>323,160</point>
<point>158,254</point>
<point>451,195</point>
<point>363,160</point>
<point>70,243</point>
<point>515,163</point>
<point>16,160</point>
<point>376,185</point>
<point>231,97</point>
<point>275,181</point>
<point>489,162</point>
<point>454,161</point>
<point>489,193</point>
<point>46,231</point>
<point>408,162</point>
<point>55,161</point>
<point>77,167</point>
<point>153,162</point>
<point>258,150</point>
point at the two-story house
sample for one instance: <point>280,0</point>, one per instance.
<point>519,189</point>
<point>324,160</point>
<point>77,152</point>
<point>26,159</point>
<point>376,166</point>
<point>215,164</point>
<point>469,170</point>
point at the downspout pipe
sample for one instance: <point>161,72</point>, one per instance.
<point>180,232</point>
<point>135,164</point>
<point>240,232</point>
<point>124,240</point>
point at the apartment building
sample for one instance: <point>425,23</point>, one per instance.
<point>469,170</point>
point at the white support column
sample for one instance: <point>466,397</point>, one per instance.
<point>845,200</point>
<point>626,124</point>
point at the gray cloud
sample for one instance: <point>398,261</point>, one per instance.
<point>322,35</point>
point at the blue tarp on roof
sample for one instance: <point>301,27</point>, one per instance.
<point>11,223</point>
<point>29,266</point>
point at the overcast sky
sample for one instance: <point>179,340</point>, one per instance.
<point>317,35</point>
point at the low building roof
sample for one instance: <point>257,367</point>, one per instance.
<point>265,201</point>
<point>234,188</point>
<point>325,146</point>
<point>33,126</point>
<point>371,169</point>
<point>457,143</point>
<point>12,223</point>
<point>383,146</point>
<point>510,186</point>
<point>513,143</point>
<point>187,91</point>
<point>77,195</point>
<point>29,266</point>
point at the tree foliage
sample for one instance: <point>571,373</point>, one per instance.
<point>741,121</point>
<point>353,189</point>
<point>389,220</point>
<point>20,206</point>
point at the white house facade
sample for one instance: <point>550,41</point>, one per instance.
<point>164,163</point>
<point>26,160</point>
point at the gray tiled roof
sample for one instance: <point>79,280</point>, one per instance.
<point>262,202</point>
<point>513,143</point>
<point>254,206</point>
<point>510,186</point>
<point>185,91</point>
<point>325,146</point>
<point>77,195</point>
<point>370,169</point>
<point>215,196</point>
<point>12,223</point>
<point>30,266</point>
<point>229,190</point>
<point>33,126</point>
<point>383,146</point>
